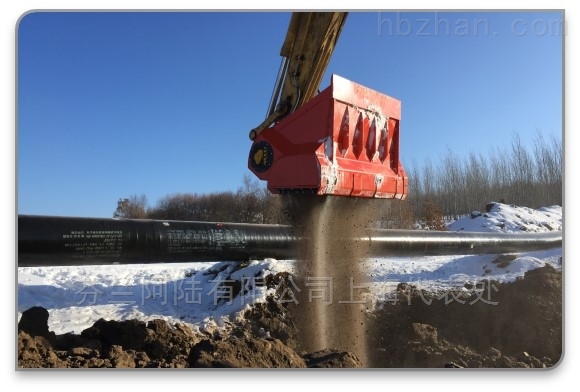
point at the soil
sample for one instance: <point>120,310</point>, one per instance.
<point>507,325</point>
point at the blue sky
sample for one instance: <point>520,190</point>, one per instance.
<point>114,104</point>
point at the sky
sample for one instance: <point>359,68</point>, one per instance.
<point>156,103</point>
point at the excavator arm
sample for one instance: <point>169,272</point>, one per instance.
<point>341,141</point>
<point>306,51</point>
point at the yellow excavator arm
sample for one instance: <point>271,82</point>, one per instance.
<point>306,51</point>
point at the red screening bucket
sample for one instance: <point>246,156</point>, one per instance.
<point>344,141</point>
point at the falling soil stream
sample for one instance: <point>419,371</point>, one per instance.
<point>331,309</point>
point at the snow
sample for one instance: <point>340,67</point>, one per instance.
<point>508,218</point>
<point>77,296</point>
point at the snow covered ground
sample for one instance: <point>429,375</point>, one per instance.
<point>76,297</point>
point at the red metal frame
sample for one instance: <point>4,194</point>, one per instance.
<point>344,141</point>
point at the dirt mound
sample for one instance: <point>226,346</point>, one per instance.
<point>502,325</point>
<point>244,352</point>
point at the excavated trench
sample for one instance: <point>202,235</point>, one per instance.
<point>524,328</point>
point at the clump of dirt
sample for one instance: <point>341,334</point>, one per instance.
<point>504,325</point>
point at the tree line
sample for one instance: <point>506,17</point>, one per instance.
<point>514,174</point>
<point>449,188</point>
<point>250,203</point>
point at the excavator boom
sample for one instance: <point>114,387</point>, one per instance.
<point>341,141</point>
<point>306,51</point>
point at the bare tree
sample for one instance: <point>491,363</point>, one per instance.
<point>415,188</point>
<point>249,197</point>
<point>548,162</point>
<point>510,174</point>
<point>432,217</point>
<point>132,207</point>
<point>500,171</point>
<point>477,182</point>
<point>453,183</point>
<point>523,174</point>
<point>273,209</point>
<point>430,183</point>
<point>178,206</point>
<point>397,214</point>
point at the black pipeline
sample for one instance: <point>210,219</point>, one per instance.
<point>52,241</point>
